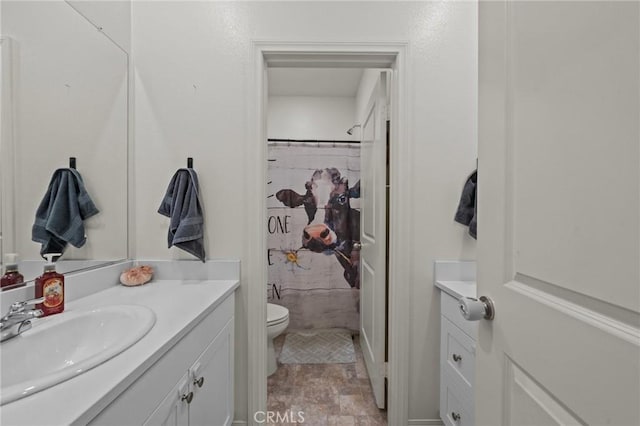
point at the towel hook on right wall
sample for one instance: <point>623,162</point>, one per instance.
<point>189,163</point>
<point>72,162</point>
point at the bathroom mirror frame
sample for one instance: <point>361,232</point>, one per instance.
<point>10,140</point>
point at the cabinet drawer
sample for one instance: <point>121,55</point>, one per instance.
<point>456,405</point>
<point>457,352</point>
<point>449,309</point>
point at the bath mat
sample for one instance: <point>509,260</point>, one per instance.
<point>318,347</point>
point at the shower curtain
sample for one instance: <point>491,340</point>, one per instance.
<point>311,285</point>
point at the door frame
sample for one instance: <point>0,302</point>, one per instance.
<point>337,55</point>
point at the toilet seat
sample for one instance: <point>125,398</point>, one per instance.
<point>276,314</point>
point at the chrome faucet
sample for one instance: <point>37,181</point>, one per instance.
<point>18,319</point>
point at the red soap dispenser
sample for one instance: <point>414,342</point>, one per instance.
<point>12,278</point>
<point>50,285</point>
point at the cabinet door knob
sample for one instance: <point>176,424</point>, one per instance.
<point>188,397</point>
<point>455,416</point>
<point>457,358</point>
<point>198,382</point>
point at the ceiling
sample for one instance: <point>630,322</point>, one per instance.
<point>314,81</point>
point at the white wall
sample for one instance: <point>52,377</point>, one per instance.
<point>113,16</point>
<point>179,45</point>
<point>367,83</point>
<point>311,117</point>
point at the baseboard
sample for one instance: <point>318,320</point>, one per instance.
<point>424,422</point>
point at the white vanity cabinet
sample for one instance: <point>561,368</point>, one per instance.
<point>191,384</point>
<point>203,396</point>
<point>457,360</point>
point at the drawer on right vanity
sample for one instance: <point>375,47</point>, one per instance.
<point>457,362</point>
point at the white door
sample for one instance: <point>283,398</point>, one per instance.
<point>558,230</point>
<point>373,237</point>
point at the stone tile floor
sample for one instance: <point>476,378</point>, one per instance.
<point>328,394</point>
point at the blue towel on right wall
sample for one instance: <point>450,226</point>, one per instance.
<point>467,207</point>
<point>181,204</point>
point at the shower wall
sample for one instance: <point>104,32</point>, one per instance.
<point>311,117</point>
<point>313,286</point>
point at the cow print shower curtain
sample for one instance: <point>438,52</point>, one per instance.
<point>313,218</point>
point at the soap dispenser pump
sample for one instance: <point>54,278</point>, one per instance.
<point>11,278</point>
<point>50,285</point>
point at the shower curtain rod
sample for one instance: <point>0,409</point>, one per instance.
<point>311,141</point>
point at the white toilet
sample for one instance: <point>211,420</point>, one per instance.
<point>277,322</point>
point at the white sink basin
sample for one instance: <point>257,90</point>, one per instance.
<point>65,345</point>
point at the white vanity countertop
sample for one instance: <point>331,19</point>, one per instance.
<point>179,306</point>
<point>458,289</point>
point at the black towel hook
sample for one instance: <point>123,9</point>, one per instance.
<point>72,162</point>
<point>189,163</point>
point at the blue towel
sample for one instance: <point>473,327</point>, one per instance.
<point>182,205</point>
<point>60,216</point>
<point>473,225</point>
<point>466,213</point>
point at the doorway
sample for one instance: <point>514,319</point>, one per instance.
<point>327,170</point>
<point>392,56</point>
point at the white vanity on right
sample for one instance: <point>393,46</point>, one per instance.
<point>456,279</point>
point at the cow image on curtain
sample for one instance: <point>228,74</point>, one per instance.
<point>313,221</point>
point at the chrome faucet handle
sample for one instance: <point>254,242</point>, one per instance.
<point>19,306</point>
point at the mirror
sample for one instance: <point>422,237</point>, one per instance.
<point>64,94</point>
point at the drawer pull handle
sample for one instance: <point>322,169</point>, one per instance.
<point>455,416</point>
<point>198,382</point>
<point>188,397</point>
<point>457,358</point>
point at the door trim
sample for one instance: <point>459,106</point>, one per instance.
<point>330,54</point>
